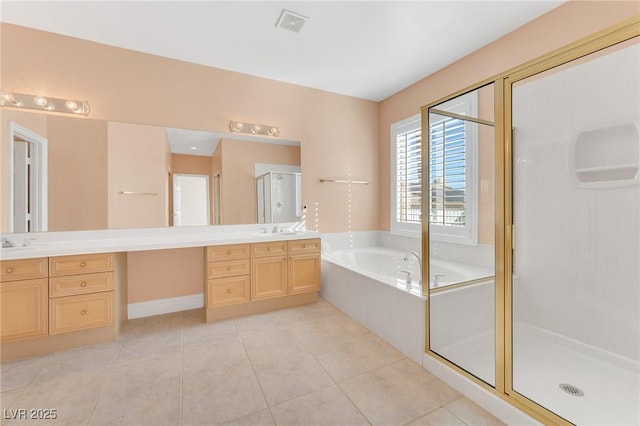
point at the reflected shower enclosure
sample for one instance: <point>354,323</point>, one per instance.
<point>279,197</point>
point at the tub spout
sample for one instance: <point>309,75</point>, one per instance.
<point>417,256</point>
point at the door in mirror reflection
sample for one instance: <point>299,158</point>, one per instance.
<point>28,170</point>
<point>190,200</point>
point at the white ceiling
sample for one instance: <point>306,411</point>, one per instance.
<point>366,49</point>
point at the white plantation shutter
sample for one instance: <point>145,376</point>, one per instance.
<point>408,180</point>
<point>448,173</point>
<point>452,175</point>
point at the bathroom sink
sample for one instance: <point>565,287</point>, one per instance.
<point>273,234</point>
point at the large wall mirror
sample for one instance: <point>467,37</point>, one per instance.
<point>70,174</point>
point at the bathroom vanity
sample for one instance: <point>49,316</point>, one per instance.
<point>66,290</point>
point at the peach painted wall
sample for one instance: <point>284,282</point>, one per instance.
<point>137,163</point>
<point>238,175</point>
<point>161,274</point>
<point>190,164</point>
<point>561,26</point>
<point>127,86</point>
<point>77,173</point>
<point>34,122</point>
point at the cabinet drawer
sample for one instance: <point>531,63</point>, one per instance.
<point>304,246</point>
<point>24,269</point>
<point>81,264</point>
<point>272,248</point>
<point>228,291</point>
<point>73,313</point>
<point>229,268</point>
<point>228,252</point>
<point>80,284</point>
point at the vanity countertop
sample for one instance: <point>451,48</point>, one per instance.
<point>124,240</point>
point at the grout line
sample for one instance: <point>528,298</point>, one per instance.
<point>257,380</point>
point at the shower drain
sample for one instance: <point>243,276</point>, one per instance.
<point>571,390</point>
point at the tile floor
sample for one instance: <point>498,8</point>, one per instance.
<point>310,365</point>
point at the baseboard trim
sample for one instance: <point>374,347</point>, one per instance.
<point>165,306</point>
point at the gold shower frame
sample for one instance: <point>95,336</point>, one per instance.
<point>503,84</point>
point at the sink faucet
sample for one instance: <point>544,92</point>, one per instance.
<point>7,243</point>
<point>417,256</point>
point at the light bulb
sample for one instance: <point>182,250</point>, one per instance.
<point>255,129</point>
<point>49,107</point>
<point>72,106</point>
<point>273,131</point>
<point>40,101</point>
<point>9,97</point>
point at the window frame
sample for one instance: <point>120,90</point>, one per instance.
<point>466,104</point>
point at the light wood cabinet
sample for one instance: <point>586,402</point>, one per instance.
<point>82,293</point>
<point>72,313</point>
<point>246,279</point>
<point>228,275</point>
<point>268,277</point>
<point>304,266</point>
<point>24,305</point>
<point>24,269</point>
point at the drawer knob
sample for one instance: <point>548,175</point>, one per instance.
<point>304,246</point>
<point>83,284</point>
<point>228,251</point>
<point>229,268</point>
<point>9,270</point>
<point>269,248</point>
<point>228,291</point>
<point>83,264</point>
<point>83,312</point>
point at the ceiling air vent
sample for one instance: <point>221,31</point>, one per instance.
<point>291,21</point>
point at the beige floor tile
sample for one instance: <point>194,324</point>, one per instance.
<point>267,344</point>
<point>145,392</point>
<point>356,356</point>
<point>7,398</point>
<point>287,376</point>
<point>204,335</point>
<point>259,418</point>
<point>217,398</point>
<point>73,397</point>
<point>471,413</point>
<point>79,360</point>
<point>328,406</point>
<point>439,417</point>
<point>140,347</point>
<point>261,323</point>
<point>19,374</point>
<point>388,396</point>
<point>215,359</point>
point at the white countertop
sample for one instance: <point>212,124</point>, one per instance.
<point>123,240</point>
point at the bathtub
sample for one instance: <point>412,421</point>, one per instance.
<point>368,284</point>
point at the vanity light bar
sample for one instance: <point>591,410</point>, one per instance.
<point>22,100</point>
<point>253,128</point>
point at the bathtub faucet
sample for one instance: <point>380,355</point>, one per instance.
<point>417,256</point>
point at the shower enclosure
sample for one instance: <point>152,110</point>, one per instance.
<point>551,320</point>
<point>279,197</point>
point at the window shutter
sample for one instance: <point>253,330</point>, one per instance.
<point>447,186</point>
<point>408,176</point>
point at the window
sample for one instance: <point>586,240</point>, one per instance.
<point>452,167</point>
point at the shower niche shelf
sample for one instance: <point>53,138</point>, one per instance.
<point>606,157</point>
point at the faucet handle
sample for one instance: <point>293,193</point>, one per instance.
<point>408,275</point>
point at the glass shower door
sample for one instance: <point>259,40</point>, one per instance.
<point>576,215</point>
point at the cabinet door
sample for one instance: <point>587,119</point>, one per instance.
<point>304,273</point>
<point>268,277</point>
<point>24,309</point>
